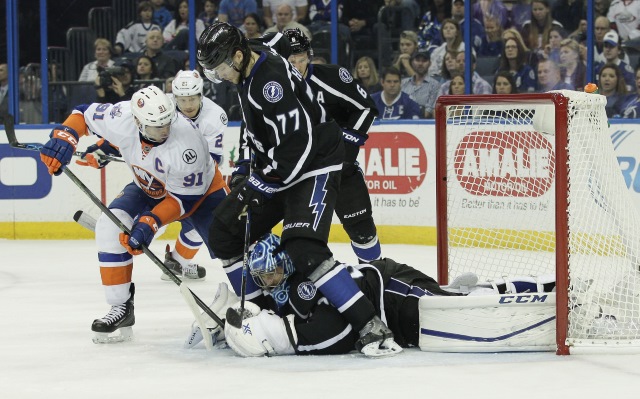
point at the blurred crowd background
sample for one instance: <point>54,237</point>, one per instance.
<point>412,51</point>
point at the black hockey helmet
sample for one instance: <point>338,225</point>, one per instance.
<point>298,41</point>
<point>218,44</point>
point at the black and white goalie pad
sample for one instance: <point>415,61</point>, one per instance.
<point>495,316</point>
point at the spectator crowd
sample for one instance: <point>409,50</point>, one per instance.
<point>517,46</point>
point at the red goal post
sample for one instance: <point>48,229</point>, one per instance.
<point>528,184</point>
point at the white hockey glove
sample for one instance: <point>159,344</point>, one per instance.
<point>262,334</point>
<point>223,299</point>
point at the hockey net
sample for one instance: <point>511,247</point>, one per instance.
<point>528,185</point>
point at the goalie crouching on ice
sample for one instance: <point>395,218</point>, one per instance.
<point>298,320</point>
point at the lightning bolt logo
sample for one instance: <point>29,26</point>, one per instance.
<point>317,199</point>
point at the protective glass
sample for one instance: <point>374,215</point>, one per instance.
<point>215,74</point>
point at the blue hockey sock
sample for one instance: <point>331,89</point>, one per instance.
<point>369,251</point>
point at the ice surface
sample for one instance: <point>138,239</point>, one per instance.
<point>50,292</point>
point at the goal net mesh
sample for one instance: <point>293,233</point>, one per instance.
<point>501,207</point>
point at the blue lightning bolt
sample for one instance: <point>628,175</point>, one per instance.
<point>317,199</point>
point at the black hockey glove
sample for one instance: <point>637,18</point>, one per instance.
<point>258,189</point>
<point>240,173</point>
<point>353,141</point>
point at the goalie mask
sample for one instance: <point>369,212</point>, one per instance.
<point>269,264</point>
<point>187,88</point>
<point>153,113</point>
<point>217,47</point>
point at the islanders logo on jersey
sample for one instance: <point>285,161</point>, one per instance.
<point>345,76</point>
<point>151,185</point>
<point>116,111</point>
<point>273,92</point>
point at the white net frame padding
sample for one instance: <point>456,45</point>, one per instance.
<point>510,204</point>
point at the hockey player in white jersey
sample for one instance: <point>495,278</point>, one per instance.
<point>174,178</point>
<point>211,121</point>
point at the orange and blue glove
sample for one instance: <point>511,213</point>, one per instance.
<point>142,232</point>
<point>94,155</point>
<point>57,152</point>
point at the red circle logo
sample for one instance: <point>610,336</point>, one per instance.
<point>505,164</point>
<point>394,163</point>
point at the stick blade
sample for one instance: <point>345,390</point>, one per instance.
<point>7,119</point>
<point>234,318</point>
<point>187,295</point>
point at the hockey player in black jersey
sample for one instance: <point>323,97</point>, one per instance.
<point>298,162</point>
<point>353,109</point>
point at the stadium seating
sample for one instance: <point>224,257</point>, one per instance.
<point>322,47</point>
<point>391,22</point>
<point>80,43</point>
<point>102,23</point>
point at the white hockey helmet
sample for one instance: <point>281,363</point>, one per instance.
<point>187,83</point>
<point>154,113</point>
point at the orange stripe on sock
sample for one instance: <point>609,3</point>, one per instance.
<point>187,253</point>
<point>116,275</point>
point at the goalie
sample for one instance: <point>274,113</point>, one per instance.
<point>299,321</point>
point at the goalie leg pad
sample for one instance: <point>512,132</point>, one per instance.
<point>490,323</point>
<point>263,334</point>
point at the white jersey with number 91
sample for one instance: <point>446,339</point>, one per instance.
<point>181,165</point>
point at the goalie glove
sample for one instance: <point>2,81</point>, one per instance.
<point>94,155</point>
<point>263,334</point>
<point>224,299</point>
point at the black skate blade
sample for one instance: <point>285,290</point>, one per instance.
<point>234,318</point>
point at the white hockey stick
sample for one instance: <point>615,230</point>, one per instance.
<point>193,307</point>
<point>85,220</point>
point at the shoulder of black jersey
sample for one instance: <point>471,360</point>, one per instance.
<point>331,73</point>
<point>275,40</point>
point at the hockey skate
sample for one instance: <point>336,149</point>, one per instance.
<point>191,272</point>
<point>376,340</point>
<point>119,320</point>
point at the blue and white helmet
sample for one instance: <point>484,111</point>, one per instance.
<point>269,265</point>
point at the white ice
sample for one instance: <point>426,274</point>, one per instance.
<point>50,292</point>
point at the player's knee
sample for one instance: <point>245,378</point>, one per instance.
<point>307,254</point>
<point>362,231</point>
<point>107,233</point>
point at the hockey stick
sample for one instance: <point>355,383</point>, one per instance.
<point>11,135</point>
<point>85,220</point>
<point>145,249</point>
<point>13,141</point>
<point>234,317</point>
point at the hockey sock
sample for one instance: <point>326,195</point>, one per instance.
<point>369,251</point>
<point>186,247</point>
